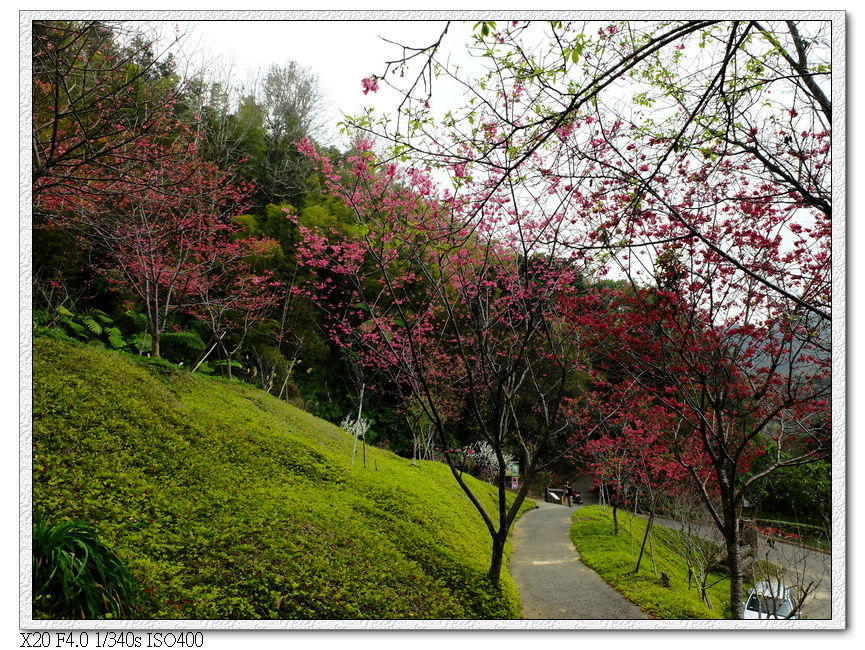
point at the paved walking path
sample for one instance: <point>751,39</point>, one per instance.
<point>553,583</point>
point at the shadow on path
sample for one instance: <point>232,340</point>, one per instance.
<point>553,583</point>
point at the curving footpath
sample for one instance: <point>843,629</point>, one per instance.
<point>553,583</point>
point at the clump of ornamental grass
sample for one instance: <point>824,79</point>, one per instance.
<point>75,575</point>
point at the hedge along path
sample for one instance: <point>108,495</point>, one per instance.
<point>552,582</point>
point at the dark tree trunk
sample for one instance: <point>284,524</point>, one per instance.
<point>734,559</point>
<point>154,343</point>
<point>645,537</point>
<point>499,540</point>
<point>734,562</point>
<point>704,592</point>
<point>648,529</point>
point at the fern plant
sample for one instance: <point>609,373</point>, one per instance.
<point>94,319</point>
<point>189,340</point>
<point>91,326</point>
<point>75,575</point>
<point>115,338</point>
<point>94,327</point>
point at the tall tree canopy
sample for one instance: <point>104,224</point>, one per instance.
<point>631,111</point>
<point>691,159</point>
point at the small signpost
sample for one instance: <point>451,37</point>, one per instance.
<point>512,470</point>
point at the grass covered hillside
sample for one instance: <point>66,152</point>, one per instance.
<point>614,558</point>
<point>224,502</point>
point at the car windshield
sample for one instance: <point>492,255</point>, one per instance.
<point>768,605</point>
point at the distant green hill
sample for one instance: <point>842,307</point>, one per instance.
<point>226,503</point>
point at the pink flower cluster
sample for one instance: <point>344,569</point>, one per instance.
<point>369,84</point>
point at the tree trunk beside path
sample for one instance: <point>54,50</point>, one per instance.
<point>552,581</point>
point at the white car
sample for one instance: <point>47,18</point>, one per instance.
<point>771,600</point>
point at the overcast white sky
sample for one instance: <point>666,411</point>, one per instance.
<point>340,53</point>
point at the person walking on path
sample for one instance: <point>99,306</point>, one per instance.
<point>569,492</point>
<point>552,582</point>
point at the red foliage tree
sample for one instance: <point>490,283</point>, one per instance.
<point>466,319</point>
<point>158,229</point>
<point>116,169</point>
<point>723,320</point>
<point>731,391</point>
<point>709,194</point>
<point>98,89</point>
<point>229,298</point>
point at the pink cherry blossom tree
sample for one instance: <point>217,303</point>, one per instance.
<point>692,159</point>
<point>230,299</point>
<point>156,231</point>
<point>462,317</point>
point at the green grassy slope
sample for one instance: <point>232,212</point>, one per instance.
<point>614,558</point>
<point>227,503</point>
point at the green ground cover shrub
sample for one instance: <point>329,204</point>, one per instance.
<point>614,557</point>
<point>225,503</point>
